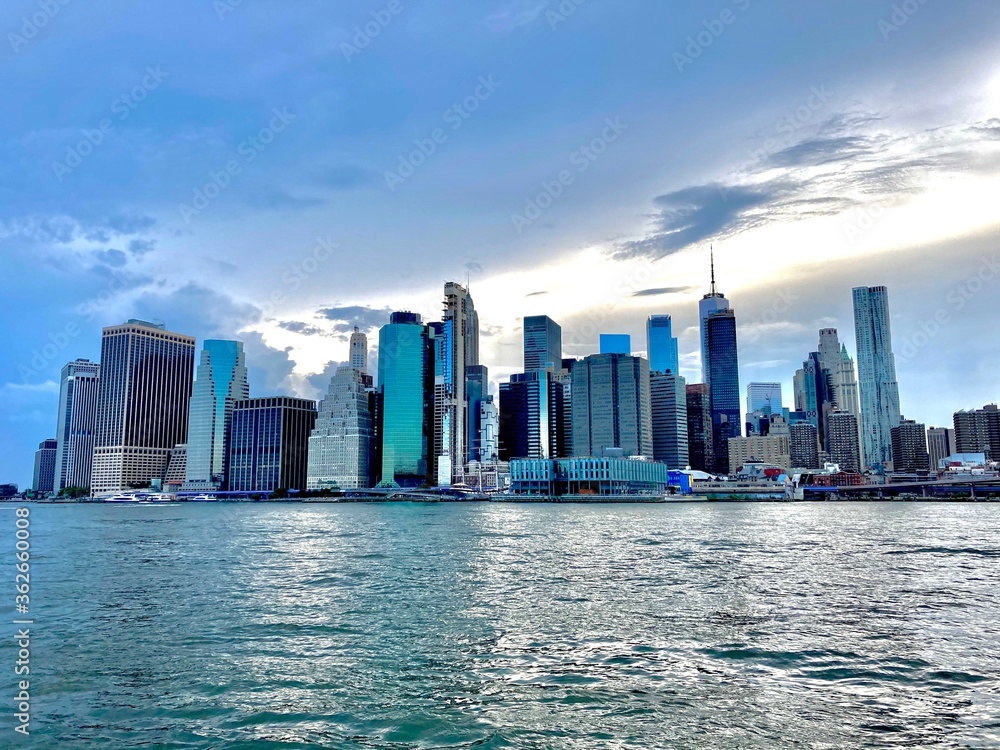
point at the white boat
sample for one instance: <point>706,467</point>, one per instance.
<point>203,498</point>
<point>128,498</point>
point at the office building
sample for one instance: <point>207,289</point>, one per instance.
<point>531,416</point>
<point>342,443</point>
<point>909,447</point>
<point>940,445</point>
<point>489,431</point>
<point>76,422</point>
<point>712,302</point>
<point>661,345</point>
<point>817,395</point>
<point>879,390</point>
<point>176,473</point>
<point>269,446</point>
<point>220,382</point>
<point>723,384</point>
<point>477,385</point>
<point>834,359</point>
<point>405,415</point>
<point>611,405</point>
<point>616,343</point>
<point>45,466</point>
<point>359,351</point>
<point>772,450</point>
<point>456,342</point>
<point>699,426</point>
<point>804,446</point>
<point>978,431</point>
<point>668,410</point>
<point>548,477</point>
<point>143,395</point>
<point>763,400</point>
<point>542,343</point>
<point>842,442</point>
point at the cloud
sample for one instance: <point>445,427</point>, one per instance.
<point>841,165</point>
<point>269,370</point>
<point>662,291</point>
<point>141,247</point>
<point>297,326</point>
<point>536,294</point>
<point>347,317</point>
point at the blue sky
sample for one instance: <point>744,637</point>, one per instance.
<point>818,145</point>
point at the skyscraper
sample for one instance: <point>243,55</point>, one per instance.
<point>611,405</point>
<point>342,442</point>
<point>804,446</point>
<point>661,345</point>
<point>77,419</point>
<point>817,393</point>
<point>763,400</point>
<point>668,410</point>
<point>876,375</point>
<point>45,466</point>
<point>526,423</point>
<point>269,447</point>
<point>842,441</point>
<point>978,431</point>
<point>699,416</point>
<point>542,342</point>
<point>616,343</point>
<point>359,351</point>
<point>712,302</point>
<point>940,445</point>
<point>221,381</point>
<point>143,396</point>
<point>723,384</point>
<point>834,358</point>
<point>405,411</point>
<point>457,343</point>
<point>477,386</point>
<point>489,431</point>
<point>909,446</point>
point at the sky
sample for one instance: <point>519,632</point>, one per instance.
<point>279,172</point>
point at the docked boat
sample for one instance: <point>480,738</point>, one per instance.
<point>203,498</point>
<point>128,498</point>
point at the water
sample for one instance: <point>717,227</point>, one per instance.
<point>511,626</point>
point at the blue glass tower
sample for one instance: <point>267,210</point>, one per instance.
<point>876,375</point>
<point>542,342</point>
<point>221,382</point>
<point>712,302</point>
<point>724,384</point>
<point>661,345</point>
<point>405,385</point>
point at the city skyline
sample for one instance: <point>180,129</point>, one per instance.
<point>811,174</point>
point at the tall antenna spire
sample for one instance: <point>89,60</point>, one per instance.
<point>712,256</point>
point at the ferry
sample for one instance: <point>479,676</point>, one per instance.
<point>128,498</point>
<point>203,498</point>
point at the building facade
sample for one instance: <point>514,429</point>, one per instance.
<point>661,345</point>
<point>542,343</point>
<point>668,410</point>
<point>456,344</point>
<point>909,447</point>
<point>773,450</point>
<point>699,426</point>
<point>842,442</point>
<point>588,476</point>
<point>531,416</point>
<point>220,382</point>
<point>143,396</point>
<point>723,384</point>
<point>804,446</point>
<point>611,405</point>
<point>940,445</point>
<point>978,431</point>
<point>405,401</point>
<point>342,443</point>
<point>712,302</point>
<point>44,478</point>
<point>76,423</point>
<point>879,390</point>
<point>359,351</point>
<point>269,446</point>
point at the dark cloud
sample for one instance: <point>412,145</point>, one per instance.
<point>822,174</point>
<point>268,369</point>
<point>111,258</point>
<point>321,380</point>
<point>297,326</point>
<point>662,291</point>
<point>140,247</point>
<point>346,317</point>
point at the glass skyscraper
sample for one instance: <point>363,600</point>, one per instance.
<point>75,429</point>
<point>405,412</point>
<point>723,384</point>
<point>143,396</point>
<point>712,302</point>
<point>542,343</point>
<point>661,345</point>
<point>526,428</point>
<point>876,375</point>
<point>616,343</point>
<point>611,405</point>
<point>269,447</point>
<point>221,382</point>
<point>668,399</point>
